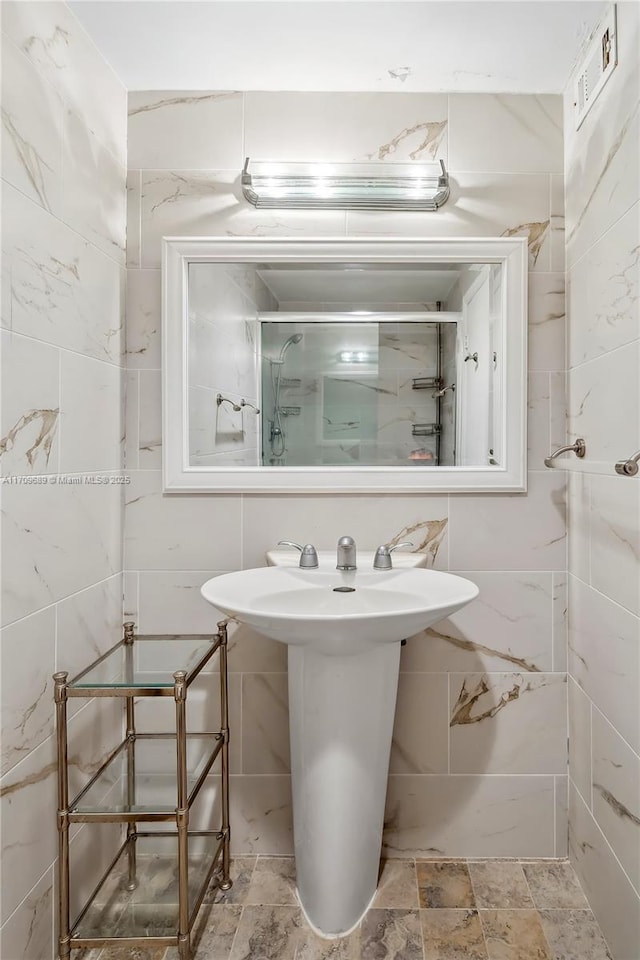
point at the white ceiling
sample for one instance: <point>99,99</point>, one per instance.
<point>325,45</point>
<point>357,285</point>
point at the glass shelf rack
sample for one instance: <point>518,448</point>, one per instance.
<point>134,786</point>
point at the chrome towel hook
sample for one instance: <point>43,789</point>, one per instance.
<point>628,468</point>
<point>579,448</point>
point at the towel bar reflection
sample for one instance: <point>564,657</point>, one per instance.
<point>237,407</point>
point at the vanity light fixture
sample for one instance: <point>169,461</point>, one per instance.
<point>346,186</point>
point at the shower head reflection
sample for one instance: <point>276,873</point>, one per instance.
<point>294,338</point>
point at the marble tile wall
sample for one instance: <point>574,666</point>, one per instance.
<point>602,170</point>
<point>63,252</point>
<point>479,755</point>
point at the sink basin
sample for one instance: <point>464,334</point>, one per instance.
<point>343,631</point>
<point>338,612</point>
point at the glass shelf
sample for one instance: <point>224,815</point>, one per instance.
<point>147,664</point>
<point>155,792</point>
<point>151,910</point>
<point>141,781</point>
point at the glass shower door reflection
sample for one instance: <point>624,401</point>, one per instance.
<point>352,393</point>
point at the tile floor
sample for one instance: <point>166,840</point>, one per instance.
<point>424,910</point>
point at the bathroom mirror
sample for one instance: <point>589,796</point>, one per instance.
<point>344,365</point>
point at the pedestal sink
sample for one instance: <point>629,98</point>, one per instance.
<point>343,630</point>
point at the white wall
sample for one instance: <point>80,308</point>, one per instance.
<point>508,795</point>
<point>63,238</point>
<point>602,166</point>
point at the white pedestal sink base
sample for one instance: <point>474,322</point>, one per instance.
<point>341,711</point>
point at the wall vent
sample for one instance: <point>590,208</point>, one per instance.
<point>598,63</point>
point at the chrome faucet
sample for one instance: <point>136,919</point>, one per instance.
<point>382,559</point>
<point>308,555</point>
<point>346,559</point>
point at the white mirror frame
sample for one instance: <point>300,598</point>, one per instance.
<point>180,477</point>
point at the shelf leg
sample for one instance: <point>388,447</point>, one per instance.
<point>226,882</point>
<point>64,933</point>
<point>182,815</point>
<point>132,880</point>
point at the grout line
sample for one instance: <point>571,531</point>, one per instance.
<point>60,410</point>
<point>55,603</point>
<point>555,817</point>
<point>448,676</point>
<point>136,430</point>
<point>243,126</point>
<point>86,241</point>
<point>237,928</point>
<point>609,848</point>
<point>550,244</point>
<point>612,725</point>
<point>139,223</point>
<point>572,266</point>
<point>60,347</point>
<point>591,757</point>
<point>604,355</point>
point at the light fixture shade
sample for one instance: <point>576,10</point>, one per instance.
<point>363,186</point>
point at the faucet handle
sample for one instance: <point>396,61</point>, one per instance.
<point>382,559</point>
<point>308,554</point>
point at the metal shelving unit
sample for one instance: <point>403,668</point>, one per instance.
<point>126,790</point>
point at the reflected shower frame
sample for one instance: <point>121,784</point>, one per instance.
<point>277,436</point>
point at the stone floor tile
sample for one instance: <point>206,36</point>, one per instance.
<point>241,873</point>
<point>214,932</point>
<point>574,935</point>
<point>444,884</point>
<point>500,885</point>
<point>514,935</point>
<point>267,933</point>
<point>397,885</point>
<point>554,885</point>
<point>391,935</point>
<point>312,947</point>
<point>273,882</point>
<point>452,935</point>
<point>133,953</point>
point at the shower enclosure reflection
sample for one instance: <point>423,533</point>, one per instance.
<point>345,364</point>
<point>277,438</point>
<point>363,390</point>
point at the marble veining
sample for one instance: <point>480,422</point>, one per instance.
<point>29,157</point>
<point>430,534</point>
<point>618,808</point>
<point>38,776</point>
<point>180,101</point>
<point>47,45</point>
<point>468,699</point>
<point>473,646</point>
<point>48,420</point>
<point>432,134</point>
<point>536,233</point>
